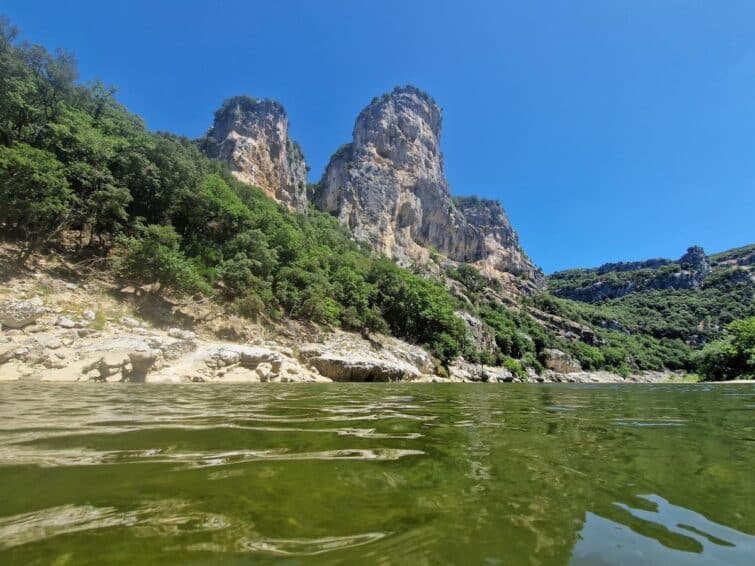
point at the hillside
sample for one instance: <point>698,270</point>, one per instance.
<point>378,247</point>
<point>684,304</point>
<point>691,299</point>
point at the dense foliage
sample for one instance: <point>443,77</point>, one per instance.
<point>733,356</point>
<point>688,314</point>
<point>663,328</point>
<point>74,161</point>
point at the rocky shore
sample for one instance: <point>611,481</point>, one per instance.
<point>54,327</point>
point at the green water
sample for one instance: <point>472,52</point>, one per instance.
<point>377,474</point>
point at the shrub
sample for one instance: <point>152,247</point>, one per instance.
<point>589,356</point>
<point>249,306</point>
<point>100,320</point>
<point>156,257</point>
<point>530,360</point>
<point>515,367</point>
<point>731,357</point>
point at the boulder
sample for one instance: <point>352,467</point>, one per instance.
<point>253,357</point>
<point>496,375</point>
<point>107,365</point>
<point>17,314</point>
<point>65,322</point>
<point>561,362</point>
<point>181,334</point>
<point>228,357</point>
<point>129,322</point>
<point>50,342</point>
<point>461,370</point>
<point>7,352</point>
<point>353,368</point>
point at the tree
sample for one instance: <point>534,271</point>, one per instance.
<point>156,258</point>
<point>37,200</point>
<point>731,357</point>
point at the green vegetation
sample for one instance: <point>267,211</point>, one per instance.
<point>156,256</point>
<point>733,254</point>
<point>79,173</point>
<point>731,357</point>
<point>73,161</point>
<point>657,328</point>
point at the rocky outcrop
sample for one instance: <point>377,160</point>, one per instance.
<point>503,251</point>
<point>347,357</point>
<point>565,328</point>
<point>104,339</point>
<point>389,187</point>
<point>615,280</point>
<point>549,376</point>
<point>461,370</point>
<point>18,314</point>
<point>561,362</point>
<point>339,368</point>
<point>252,136</point>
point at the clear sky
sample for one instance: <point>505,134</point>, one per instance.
<point>610,130</point>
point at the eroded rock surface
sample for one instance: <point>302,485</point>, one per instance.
<point>348,357</point>
<point>252,136</point>
<point>18,314</point>
<point>389,187</point>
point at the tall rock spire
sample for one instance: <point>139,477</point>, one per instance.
<point>389,187</point>
<point>252,136</point>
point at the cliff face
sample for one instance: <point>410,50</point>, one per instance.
<point>389,187</point>
<point>252,136</point>
<point>503,253</point>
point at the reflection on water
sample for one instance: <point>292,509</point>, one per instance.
<point>390,474</point>
<point>603,541</point>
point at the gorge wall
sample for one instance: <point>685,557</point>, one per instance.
<point>388,186</point>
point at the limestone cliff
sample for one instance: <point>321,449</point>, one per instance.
<point>503,251</point>
<point>252,136</point>
<point>389,187</point>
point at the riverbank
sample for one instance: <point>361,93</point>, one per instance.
<point>59,323</point>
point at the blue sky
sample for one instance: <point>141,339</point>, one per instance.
<point>609,130</point>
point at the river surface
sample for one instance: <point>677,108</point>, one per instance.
<point>377,474</point>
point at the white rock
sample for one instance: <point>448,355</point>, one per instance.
<point>229,357</point>
<point>363,368</point>
<point>7,351</point>
<point>17,314</point>
<point>130,322</point>
<point>181,334</point>
<point>65,322</point>
<point>88,315</point>
<point>50,342</point>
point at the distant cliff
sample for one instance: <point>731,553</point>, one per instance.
<point>614,280</point>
